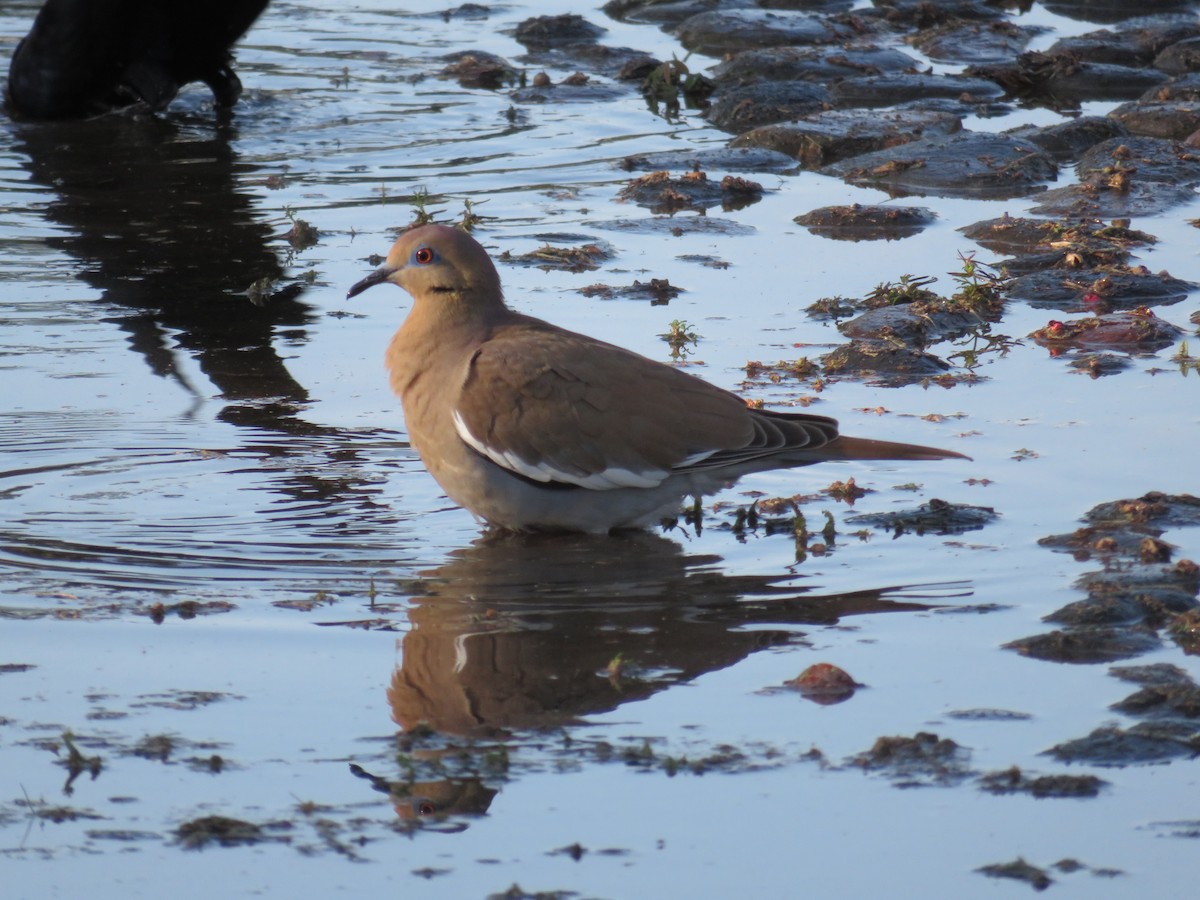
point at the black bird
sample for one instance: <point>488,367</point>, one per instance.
<point>84,57</point>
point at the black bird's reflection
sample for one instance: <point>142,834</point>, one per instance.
<point>520,632</point>
<point>153,212</point>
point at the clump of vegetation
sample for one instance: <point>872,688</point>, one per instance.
<point>672,82</point>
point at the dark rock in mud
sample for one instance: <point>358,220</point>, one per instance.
<point>1121,608</point>
<point>541,32</point>
<point>1068,140</point>
<point>1131,529</point>
<point>866,223</point>
<point>903,87</point>
<point>909,14</point>
<point>742,108</point>
<point>464,11</point>
<point>975,42</point>
<point>1146,742</point>
<point>1162,674</point>
<point>1142,159</point>
<point>1135,44</point>
<point>1014,781</point>
<point>1104,11</point>
<point>1099,290</point>
<point>619,63</point>
<point>743,159</point>
<point>1112,198</point>
<point>1182,56</point>
<point>968,164</point>
<point>919,323</point>
<point>1185,631</point>
<point>1086,644</point>
<point>1172,119</point>
<point>1018,870</point>
<point>1138,331</point>
<point>1164,591</point>
<point>676,225</point>
<point>636,68</point>
<point>577,88</point>
<point>719,32</point>
<point>478,68</point>
<point>934,517</point>
<point>1111,540</point>
<point>1184,87</point>
<point>1155,507</point>
<point>1064,81</point>
<point>1161,701</point>
<point>826,137</point>
<point>651,12</point>
<point>693,190</point>
<point>820,64</point>
<point>882,363</point>
<point>669,13</point>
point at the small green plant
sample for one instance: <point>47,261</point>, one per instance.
<point>678,337</point>
<point>419,201</point>
<point>980,287</point>
<point>1185,360</point>
<point>470,218</point>
<point>909,289</point>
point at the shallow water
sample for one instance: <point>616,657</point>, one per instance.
<point>225,574</point>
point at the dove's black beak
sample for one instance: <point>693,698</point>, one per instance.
<point>380,275</point>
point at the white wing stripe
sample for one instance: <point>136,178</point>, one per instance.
<point>609,479</point>
<point>694,458</point>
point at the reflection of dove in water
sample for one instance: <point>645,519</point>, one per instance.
<point>532,427</point>
<point>525,631</point>
<point>436,800</point>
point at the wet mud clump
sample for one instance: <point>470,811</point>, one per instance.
<point>866,223</point>
<point>820,139</point>
<point>923,759</point>
<point>659,291</point>
<point>584,258</point>
<point>1015,781</point>
<point>663,194</point>
<point>898,321</point>
<point>934,517</point>
<point>1136,597</point>
<point>478,68</point>
<point>1137,594</point>
<point>222,831</point>
<point>967,164</point>
<point>1139,331</point>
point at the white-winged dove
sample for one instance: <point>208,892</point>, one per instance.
<point>533,427</point>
